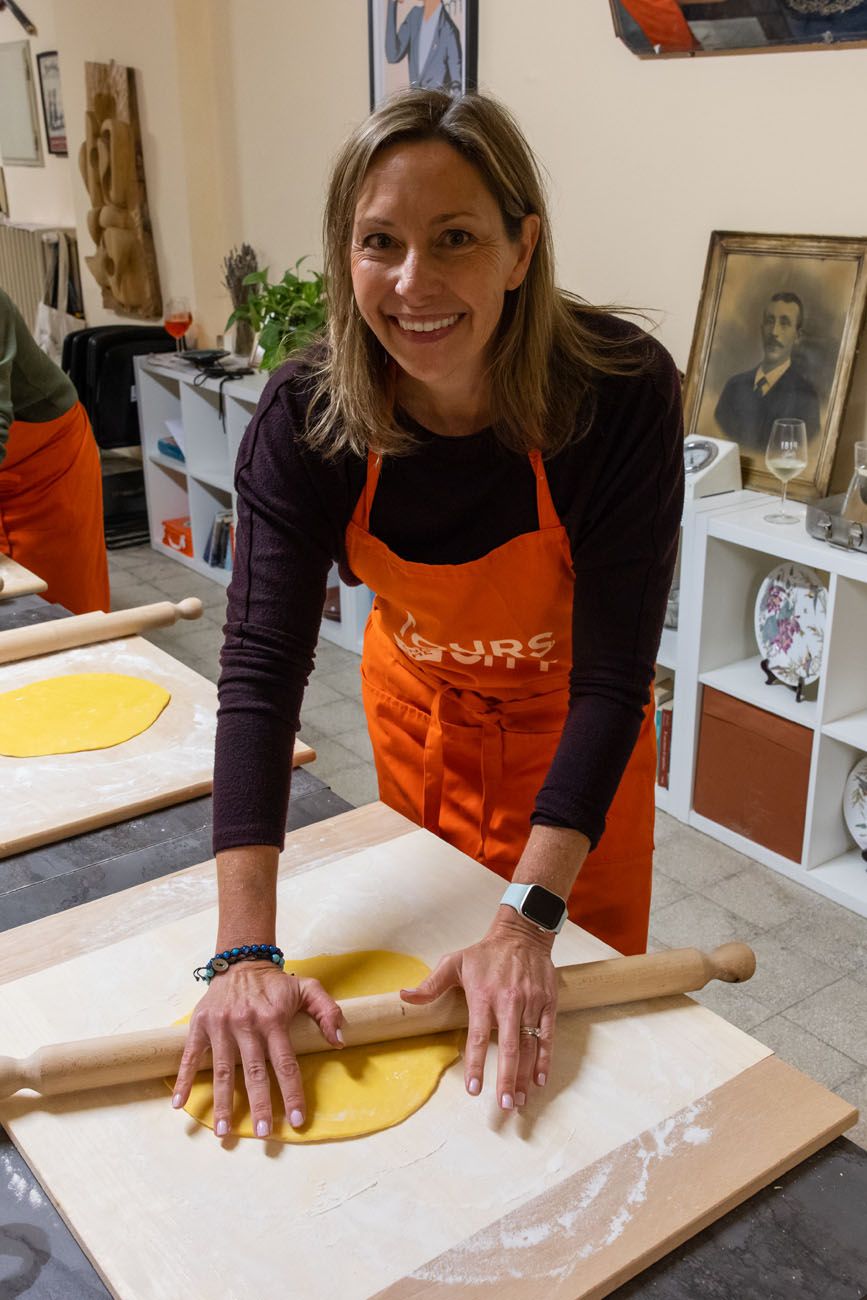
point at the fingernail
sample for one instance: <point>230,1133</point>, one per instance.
<point>177,1101</point>
<point>521,1098</point>
<point>338,1034</point>
<point>222,1128</point>
<point>541,1080</point>
<point>474,1087</point>
<point>263,1128</point>
<point>296,1119</point>
<point>507,1103</point>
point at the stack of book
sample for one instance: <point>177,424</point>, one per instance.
<point>220,546</point>
<point>663,695</point>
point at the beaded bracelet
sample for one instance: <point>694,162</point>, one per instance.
<point>247,952</point>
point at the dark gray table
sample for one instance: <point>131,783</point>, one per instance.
<point>802,1238</point>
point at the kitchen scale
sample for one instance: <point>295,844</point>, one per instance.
<point>711,465</point>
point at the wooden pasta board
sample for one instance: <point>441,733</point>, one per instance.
<point>657,1117</point>
<point>18,581</point>
<point>49,798</point>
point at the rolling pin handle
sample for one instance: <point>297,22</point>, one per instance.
<point>12,1076</point>
<point>189,607</point>
<point>733,962</point>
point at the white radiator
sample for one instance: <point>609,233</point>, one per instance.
<point>27,254</point>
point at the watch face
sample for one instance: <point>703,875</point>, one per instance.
<point>542,907</point>
<point>698,453</point>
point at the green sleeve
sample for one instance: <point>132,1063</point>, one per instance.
<point>8,347</point>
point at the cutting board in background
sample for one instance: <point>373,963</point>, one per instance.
<point>657,1118</point>
<point>15,580</point>
<point>49,798</point>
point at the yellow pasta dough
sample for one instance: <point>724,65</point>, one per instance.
<point>355,1090</point>
<point>80,711</point>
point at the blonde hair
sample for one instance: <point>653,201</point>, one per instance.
<point>545,351</point>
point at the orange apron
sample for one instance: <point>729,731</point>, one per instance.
<point>51,508</point>
<point>465,681</point>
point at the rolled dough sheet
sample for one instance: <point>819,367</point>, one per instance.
<point>79,711</point>
<point>356,1090</point>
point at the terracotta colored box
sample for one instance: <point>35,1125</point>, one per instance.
<point>178,535</point>
<point>752,772</point>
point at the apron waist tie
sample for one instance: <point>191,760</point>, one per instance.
<point>491,758</point>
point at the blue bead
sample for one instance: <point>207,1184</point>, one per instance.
<point>246,948</point>
<point>276,957</point>
<point>226,954</point>
<point>235,952</point>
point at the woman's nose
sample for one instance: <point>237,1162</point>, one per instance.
<point>418,277</point>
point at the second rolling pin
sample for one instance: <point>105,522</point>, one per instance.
<point>85,629</point>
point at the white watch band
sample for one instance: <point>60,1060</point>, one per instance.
<point>515,896</point>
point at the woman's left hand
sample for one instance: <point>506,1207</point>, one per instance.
<point>510,983</point>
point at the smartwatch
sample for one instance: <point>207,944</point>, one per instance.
<point>546,910</point>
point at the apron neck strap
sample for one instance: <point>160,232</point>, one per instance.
<point>548,517</point>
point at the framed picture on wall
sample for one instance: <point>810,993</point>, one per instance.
<point>775,336</point>
<point>655,29</point>
<point>430,43</point>
<point>52,102</point>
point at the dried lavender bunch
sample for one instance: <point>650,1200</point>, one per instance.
<point>240,262</point>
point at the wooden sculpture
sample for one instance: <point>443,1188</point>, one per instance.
<point>111,163</point>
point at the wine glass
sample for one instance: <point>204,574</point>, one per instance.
<point>786,457</point>
<point>177,320</point>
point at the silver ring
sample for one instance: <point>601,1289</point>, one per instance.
<point>532,1031</point>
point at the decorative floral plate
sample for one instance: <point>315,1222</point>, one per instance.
<point>790,623</point>
<point>855,805</point>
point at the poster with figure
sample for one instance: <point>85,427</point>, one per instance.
<point>427,43</point>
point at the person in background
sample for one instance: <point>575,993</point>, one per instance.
<point>50,478</point>
<point>430,42</point>
<point>777,387</point>
<point>502,464</point>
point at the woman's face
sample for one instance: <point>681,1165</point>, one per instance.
<point>431,263</point>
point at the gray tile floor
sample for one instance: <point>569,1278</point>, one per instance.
<point>808,999</point>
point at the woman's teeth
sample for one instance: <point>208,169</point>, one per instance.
<point>426,326</point>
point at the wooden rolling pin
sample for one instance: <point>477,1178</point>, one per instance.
<point>152,1053</point>
<point>85,629</point>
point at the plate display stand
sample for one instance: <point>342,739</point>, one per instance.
<point>201,486</point>
<point>728,550</point>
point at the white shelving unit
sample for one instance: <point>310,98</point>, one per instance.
<point>727,551</point>
<point>203,484</point>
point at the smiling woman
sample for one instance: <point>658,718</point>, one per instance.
<point>502,464</point>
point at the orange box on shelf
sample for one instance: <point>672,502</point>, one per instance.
<point>752,772</point>
<point>178,535</point>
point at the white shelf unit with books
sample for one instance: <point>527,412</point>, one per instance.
<point>171,402</point>
<point>727,554</point>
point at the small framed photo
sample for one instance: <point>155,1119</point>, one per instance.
<point>429,43</point>
<point>52,102</point>
<point>775,337</point>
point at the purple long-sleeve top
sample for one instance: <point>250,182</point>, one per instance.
<point>618,490</point>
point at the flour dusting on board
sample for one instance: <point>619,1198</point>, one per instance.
<point>19,1186</point>
<point>572,1233</point>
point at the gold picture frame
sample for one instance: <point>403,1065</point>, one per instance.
<point>776,335</point>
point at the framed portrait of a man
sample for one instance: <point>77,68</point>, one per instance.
<point>428,43</point>
<point>775,338</point>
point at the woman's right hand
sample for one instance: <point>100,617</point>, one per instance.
<point>245,1015</point>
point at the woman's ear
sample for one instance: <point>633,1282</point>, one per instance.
<point>525,246</point>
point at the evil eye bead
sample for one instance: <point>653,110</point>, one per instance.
<point>220,964</point>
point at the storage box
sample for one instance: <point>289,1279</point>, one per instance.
<point>178,535</point>
<point>752,772</point>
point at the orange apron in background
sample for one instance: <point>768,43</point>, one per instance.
<point>465,681</point>
<point>51,508</point>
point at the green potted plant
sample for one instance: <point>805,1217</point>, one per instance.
<point>285,315</point>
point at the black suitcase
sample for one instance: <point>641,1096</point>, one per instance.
<point>113,397</point>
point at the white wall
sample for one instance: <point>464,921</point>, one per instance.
<point>244,105</point>
<point>42,195</point>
